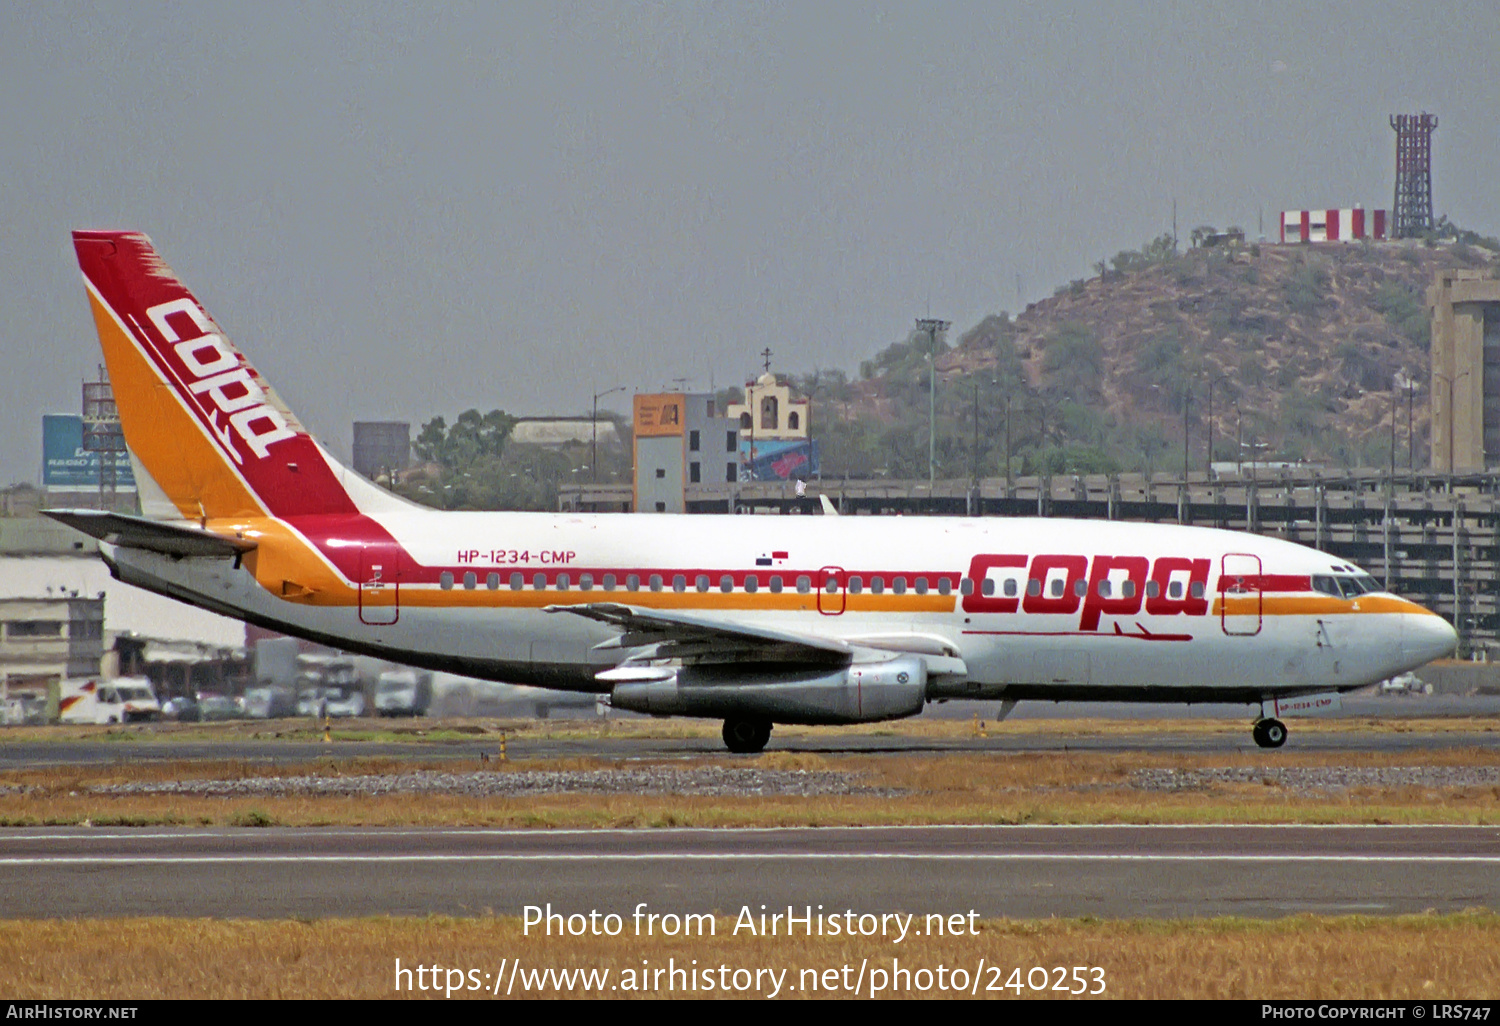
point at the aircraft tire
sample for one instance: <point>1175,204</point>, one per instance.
<point>746,735</point>
<point>1270,733</point>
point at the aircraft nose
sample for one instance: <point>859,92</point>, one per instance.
<point>1425,638</point>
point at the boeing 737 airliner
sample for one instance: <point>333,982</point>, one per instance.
<point>752,620</point>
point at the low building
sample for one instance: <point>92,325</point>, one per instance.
<point>40,557</point>
<point>556,432</point>
<point>1347,224</point>
<point>683,443</point>
<point>775,432</point>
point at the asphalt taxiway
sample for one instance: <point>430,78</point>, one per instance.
<point>144,747</point>
<point>1018,871</point>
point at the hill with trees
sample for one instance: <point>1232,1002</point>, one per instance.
<point>1311,351</point>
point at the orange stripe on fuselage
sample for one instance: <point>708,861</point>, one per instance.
<point>1316,605</point>
<point>163,435</point>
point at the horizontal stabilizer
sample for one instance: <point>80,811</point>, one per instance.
<point>154,535</point>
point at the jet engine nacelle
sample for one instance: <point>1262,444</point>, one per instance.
<point>858,693</point>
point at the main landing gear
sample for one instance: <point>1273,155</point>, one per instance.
<point>746,735</point>
<point>1269,733</point>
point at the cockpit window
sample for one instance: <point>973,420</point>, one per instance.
<point>1342,586</point>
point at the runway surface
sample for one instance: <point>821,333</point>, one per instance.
<point>1023,871</point>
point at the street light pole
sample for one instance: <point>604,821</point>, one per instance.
<point>1209,463</point>
<point>1187,402</point>
<point>594,426</point>
<point>932,326</point>
<point>1239,450</point>
<point>1411,437</point>
<point>1007,445</point>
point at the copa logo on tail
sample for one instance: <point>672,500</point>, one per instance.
<point>214,369</point>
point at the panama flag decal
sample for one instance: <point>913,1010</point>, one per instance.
<point>774,559</point>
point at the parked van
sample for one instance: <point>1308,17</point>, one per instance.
<point>403,693</point>
<point>124,700</point>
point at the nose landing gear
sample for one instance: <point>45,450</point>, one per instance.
<point>1269,733</point>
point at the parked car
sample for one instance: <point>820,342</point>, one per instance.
<point>220,707</point>
<point>331,701</point>
<point>269,702</point>
<point>183,709</point>
<point>344,700</point>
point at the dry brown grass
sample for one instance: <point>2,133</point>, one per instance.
<point>939,787</point>
<point>1454,956</point>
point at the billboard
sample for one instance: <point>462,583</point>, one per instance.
<point>657,415</point>
<point>770,460</point>
<point>66,466</point>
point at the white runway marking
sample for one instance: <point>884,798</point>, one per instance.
<point>155,860</point>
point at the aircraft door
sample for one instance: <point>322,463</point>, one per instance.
<point>1241,603</point>
<point>831,581</point>
<point>379,584</point>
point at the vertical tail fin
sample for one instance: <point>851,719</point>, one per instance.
<point>208,436</point>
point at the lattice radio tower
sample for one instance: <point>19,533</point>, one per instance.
<point>1412,212</point>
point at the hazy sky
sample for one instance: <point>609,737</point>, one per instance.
<point>399,210</point>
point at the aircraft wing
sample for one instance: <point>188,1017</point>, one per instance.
<point>687,636</point>
<point>155,535</point>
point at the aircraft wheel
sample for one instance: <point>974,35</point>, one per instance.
<point>1270,733</point>
<point>746,735</point>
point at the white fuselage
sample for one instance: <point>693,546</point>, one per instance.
<point>1053,607</point>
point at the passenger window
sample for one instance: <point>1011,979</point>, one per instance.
<point>1057,587</point>
<point>752,583</point>
<point>855,584</point>
<point>831,585</point>
<point>1197,589</point>
<point>492,581</point>
<point>1174,590</point>
<point>1104,588</point>
<point>988,588</point>
<point>899,586</point>
<point>609,582</point>
<point>656,582</point>
<point>1010,587</point>
<point>921,585</point>
<point>562,582</point>
<point>945,586</point>
<point>445,580</point>
<point>776,583</point>
<point>877,585</point>
<point>726,584</point>
<point>633,582</point>
<point>1033,587</point>
<point>539,582</point>
<point>1127,589</point>
<point>1152,589</point>
<point>471,581</point>
<point>586,582</point>
<point>517,582</point>
<point>702,582</point>
<point>1080,587</point>
<point>966,586</point>
<point>804,584</point>
<point>679,583</point>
